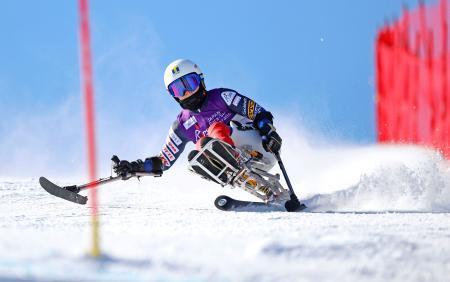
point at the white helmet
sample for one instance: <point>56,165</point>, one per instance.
<point>179,68</point>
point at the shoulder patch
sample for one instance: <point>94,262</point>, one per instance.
<point>228,96</point>
<point>190,122</point>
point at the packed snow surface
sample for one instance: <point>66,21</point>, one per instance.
<point>374,214</point>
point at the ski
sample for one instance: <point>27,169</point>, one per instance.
<point>66,193</point>
<point>226,203</point>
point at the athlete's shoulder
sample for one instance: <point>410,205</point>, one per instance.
<point>179,125</point>
<point>218,91</point>
<point>225,95</point>
<point>182,116</point>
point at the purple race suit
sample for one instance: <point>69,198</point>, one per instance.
<point>220,105</point>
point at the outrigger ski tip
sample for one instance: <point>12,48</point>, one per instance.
<point>62,192</point>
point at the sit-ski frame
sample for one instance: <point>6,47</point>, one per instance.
<point>241,177</point>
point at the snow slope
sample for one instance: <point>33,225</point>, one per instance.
<point>377,213</point>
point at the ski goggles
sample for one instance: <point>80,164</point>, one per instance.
<point>187,83</point>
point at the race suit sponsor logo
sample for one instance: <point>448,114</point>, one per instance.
<point>236,100</point>
<point>172,146</point>
<point>190,122</point>
<point>164,160</point>
<point>257,109</point>
<point>218,116</point>
<point>168,154</point>
<point>228,96</point>
<point>199,134</point>
<point>174,137</point>
<point>244,106</point>
<point>251,109</point>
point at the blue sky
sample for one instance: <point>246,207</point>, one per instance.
<point>309,60</point>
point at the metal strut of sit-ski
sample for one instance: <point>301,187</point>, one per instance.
<point>240,181</point>
<point>239,177</point>
<point>263,179</point>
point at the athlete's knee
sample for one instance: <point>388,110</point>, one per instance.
<point>221,131</point>
<point>218,127</point>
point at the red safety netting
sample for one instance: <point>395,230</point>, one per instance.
<point>412,65</point>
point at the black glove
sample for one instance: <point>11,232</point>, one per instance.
<point>125,167</point>
<point>150,165</point>
<point>272,142</point>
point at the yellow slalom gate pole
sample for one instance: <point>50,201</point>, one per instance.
<point>95,251</point>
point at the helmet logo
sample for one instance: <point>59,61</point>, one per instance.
<point>175,70</point>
